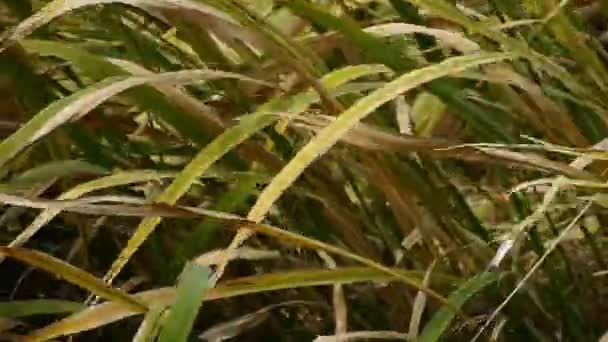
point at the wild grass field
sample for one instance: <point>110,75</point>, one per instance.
<point>299,170</point>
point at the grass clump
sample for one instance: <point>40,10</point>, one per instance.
<point>309,170</point>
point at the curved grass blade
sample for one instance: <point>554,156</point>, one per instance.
<point>176,108</point>
<point>24,308</point>
<point>331,134</point>
<point>379,51</point>
<point>73,275</point>
<point>80,103</point>
<point>349,118</point>
<point>189,298</point>
<point>224,143</point>
<point>47,171</point>
<point>442,319</point>
<point>107,313</point>
<point>150,326</point>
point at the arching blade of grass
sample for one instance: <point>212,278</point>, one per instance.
<point>150,326</point>
<point>376,50</point>
<point>448,11</point>
<point>247,126</point>
<point>47,171</point>
<point>331,134</point>
<point>442,319</point>
<point>186,118</point>
<point>85,100</point>
<point>349,118</point>
<point>189,298</point>
<point>23,308</point>
<point>74,275</point>
<point>107,313</point>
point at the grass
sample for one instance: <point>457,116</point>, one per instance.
<point>303,170</point>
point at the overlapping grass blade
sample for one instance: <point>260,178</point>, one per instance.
<point>247,126</point>
<point>441,320</point>
<point>80,103</point>
<point>117,179</point>
<point>349,118</point>
<point>24,308</point>
<point>74,275</point>
<point>189,298</point>
<point>107,313</point>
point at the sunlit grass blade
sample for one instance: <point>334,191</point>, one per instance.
<point>72,274</point>
<point>227,141</point>
<point>349,118</point>
<point>331,134</point>
<point>80,103</point>
<point>189,298</point>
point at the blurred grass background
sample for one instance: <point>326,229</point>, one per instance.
<point>416,170</point>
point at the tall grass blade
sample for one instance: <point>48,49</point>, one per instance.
<point>189,298</point>
<point>441,320</point>
<point>73,274</point>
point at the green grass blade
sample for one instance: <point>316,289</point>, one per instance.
<point>150,326</point>
<point>107,313</point>
<point>349,118</point>
<point>61,169</point>
<point>189,298</point>
<point>85,100</point>
<point>441,320</point>
<point>248,125</point>
<point>24,308</point>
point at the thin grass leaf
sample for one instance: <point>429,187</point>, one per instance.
<point>349,118</point>
<point>174,107</point>
<point>340,127</point>
<point>45,172</point>
<point>58,8</point>
<point>533,269</point>
<point>82,102</point>
<point>420,304</point>
<point>150,326</point>
<point>117,179</point>
<point>24,308</point>
<point>247,126</point>
<point>106,313</point>
<point>73,275</point>
<point>189,298</point>
<point>441,320</point>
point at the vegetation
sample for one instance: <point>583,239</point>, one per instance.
<point>301,170</point>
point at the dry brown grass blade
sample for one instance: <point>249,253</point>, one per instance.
<point>340,309</point>
<point>237,326</point>
<point>364,335</point>
<point>136,207</point>
<point>373,139</point>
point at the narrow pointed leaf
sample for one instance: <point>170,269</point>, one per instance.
<point>189,298</point>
